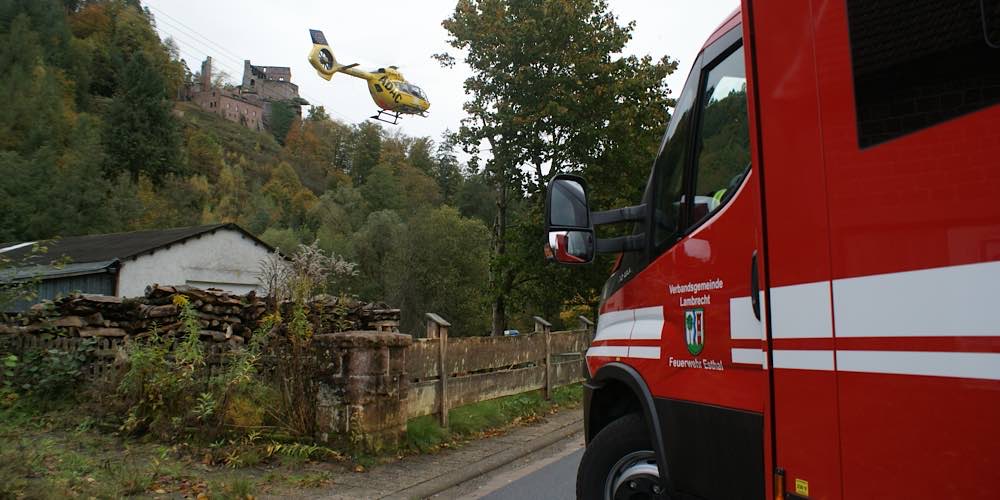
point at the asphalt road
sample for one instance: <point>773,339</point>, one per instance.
<point>555,481</point>
<point>549,474</point>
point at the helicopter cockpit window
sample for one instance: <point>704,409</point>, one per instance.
<point>414,90</point>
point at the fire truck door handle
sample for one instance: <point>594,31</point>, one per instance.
<point>754,286</point>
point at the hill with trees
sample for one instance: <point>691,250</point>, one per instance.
<point>93,140</point>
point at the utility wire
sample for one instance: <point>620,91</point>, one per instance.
<point>218,47</point>
<point>202,47</point>
<point>181,30</point>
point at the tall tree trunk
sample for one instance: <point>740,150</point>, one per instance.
<point>499,271</point>
<point>499,315</point>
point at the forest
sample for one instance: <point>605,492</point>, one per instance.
<point>93,139</point>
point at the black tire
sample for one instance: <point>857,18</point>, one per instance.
<point>619,439</point>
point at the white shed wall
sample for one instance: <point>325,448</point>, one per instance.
<point>224,259</point>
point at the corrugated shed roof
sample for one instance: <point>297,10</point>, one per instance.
<point>118,246</point>
<point>59,271</point>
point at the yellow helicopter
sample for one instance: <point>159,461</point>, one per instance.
<point>393,94</point>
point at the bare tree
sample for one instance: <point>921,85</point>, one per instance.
<point>307,273</point>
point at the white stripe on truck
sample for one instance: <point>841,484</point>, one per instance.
<point>956,301</point>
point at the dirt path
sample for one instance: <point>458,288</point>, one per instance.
<point>421,475</point>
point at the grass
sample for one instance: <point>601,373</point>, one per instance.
<point>424,434</point>
<point>61,454</point>
<point>50,455</point>
<point>42,456</point>
<point>235,488</point>
<point>310,479</point>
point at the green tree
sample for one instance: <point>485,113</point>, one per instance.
<point>441,266</point>
<point>141,135</point>
<point>548,79</point>
<point>314,147</point>
<point>366,150</point>
<point>418,189</point>
<point>108,34</point>
<point>50,170</point>
<point>294,203</point>
<point>317,113</point>
<point>375,244</point>
<point>474,196</point>
<point>35,114</point>
<point>280,121</point>
<point>382,189</point>
<point>231,203</point>
<point>420,155</point>
<point>285,240</point>
<point>446,170</point>
<point>204,154</point>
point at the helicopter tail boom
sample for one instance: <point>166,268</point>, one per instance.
<point>322,59</point>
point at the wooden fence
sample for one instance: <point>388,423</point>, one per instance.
<point>483,368</point>
<point>476,368</point>
<point>101,351</point>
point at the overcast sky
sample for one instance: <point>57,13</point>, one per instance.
<point>386,33</point>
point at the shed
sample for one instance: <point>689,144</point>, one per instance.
<point>223,256</point>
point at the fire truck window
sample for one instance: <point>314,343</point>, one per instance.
<point>723,137</point>
<point>991,21</point>
<point>668,195</point>
<point>919,63</point>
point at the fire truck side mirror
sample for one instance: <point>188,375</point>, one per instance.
<point>570,247</point>
<point>569,232</point>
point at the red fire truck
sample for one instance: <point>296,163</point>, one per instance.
<point>809,303</point>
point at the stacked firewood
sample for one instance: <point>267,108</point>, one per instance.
<point>220,316</point>
<point>330,314</point>
<point>83,316</point>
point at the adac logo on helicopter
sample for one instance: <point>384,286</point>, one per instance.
<point>387,86</point>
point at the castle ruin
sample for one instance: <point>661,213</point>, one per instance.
<point>249,103</point>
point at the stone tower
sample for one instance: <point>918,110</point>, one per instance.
<point>206,74</point>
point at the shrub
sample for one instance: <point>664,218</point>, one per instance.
<point>42,377</point>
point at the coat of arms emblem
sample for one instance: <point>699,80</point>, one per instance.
<point>694,330</point>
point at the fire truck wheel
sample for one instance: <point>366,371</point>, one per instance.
<point>619,463</point>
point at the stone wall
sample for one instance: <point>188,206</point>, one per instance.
<point>369,379</point>
<point>270,83</point>
<point>231,106</point>
<point>364,387</point>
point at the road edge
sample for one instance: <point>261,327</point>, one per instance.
<point>449,480</point>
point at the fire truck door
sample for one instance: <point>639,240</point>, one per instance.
<point>709,383</point>
<point>803,427</point>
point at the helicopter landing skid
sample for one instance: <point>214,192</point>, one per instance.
<point>395,115</point>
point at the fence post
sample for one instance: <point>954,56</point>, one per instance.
<point>439,326</point>
<point>545,328</point>
<point>588,326</point>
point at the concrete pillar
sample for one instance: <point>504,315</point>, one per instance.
<point>362,393</point>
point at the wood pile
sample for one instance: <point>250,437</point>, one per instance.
<point>84,316</point>
<point>332,314</point>
<point>221,316</point>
